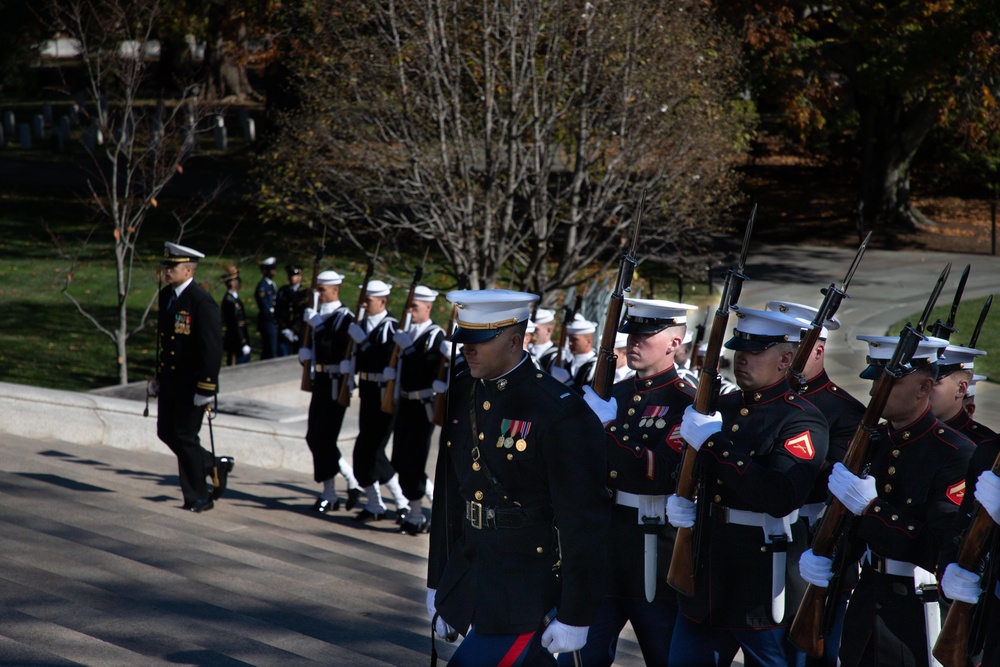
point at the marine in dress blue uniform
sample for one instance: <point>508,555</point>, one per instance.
<point>187,374</point>
<point>521,502</point>
<point>759,456</point>
<point>643,449</point>
<point>236,339</point>
<point>955,373</point>
<point>266,295</point>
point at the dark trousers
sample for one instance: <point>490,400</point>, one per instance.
<point>268,339</point>
<point>326,416</point>
<point>653,623</point>
<point>371,465</point>
<point>522,650</point>
<point>178,423</point>
<point>411,444</point>
<point>699,645</point>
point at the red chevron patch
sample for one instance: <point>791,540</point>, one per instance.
<point>674,439</point>
<point>801,446</point>
<point>956,492</point>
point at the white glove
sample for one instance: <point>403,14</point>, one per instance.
<point>445,348</point>
<point>816,570</point>
<point>562,638</point>
<point>441,629</point>
<point>696,427</point>
<point>289,335</point>
<point>605,410</point>
<point>561,374</point>
<point>153,388</point>
<point>389,373</point>
<point>246,350</point>
<point>310,317</point>
<point>855,492</point>
<point>347,367</point>
<point>201,400</point>
<point>305,355</point>
<point>960,584</point>
<point>439,386</point>
<point>681,512</point>
<point>403,340</point>
<point>357,333</point>
<point>988,494</point>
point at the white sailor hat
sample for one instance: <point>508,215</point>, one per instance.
<point>531,326</point>
<point>544,316</point>
<point>484,314</point>
<point>881,349</point>
<point>760,329</point>
<point>805,314</point>
<point>971,391</point>
<point>269,263</point>
<point>421,293</point>
<point>580,325</point>
<point>957,358</point>
<point>329,277</point>
<point>621,340</point>
<point>179,254</point>
<point>648,316</point>
<point>378,288</point>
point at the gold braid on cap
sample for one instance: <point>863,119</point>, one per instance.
<point>488,325</point>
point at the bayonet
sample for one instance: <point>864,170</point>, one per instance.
<point>946,329</point>
<point>855,264</point>
<point>933,299</point>
<point>982,319</point>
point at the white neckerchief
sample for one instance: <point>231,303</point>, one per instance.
<point>372,321</point>
<point>538,349</point>
<point>579,360</point>
<point>327,308</point>
<point>417,330</point>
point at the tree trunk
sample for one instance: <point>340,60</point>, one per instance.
<point>891,133</point>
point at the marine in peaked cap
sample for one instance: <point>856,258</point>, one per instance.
<point>955,374</point>
<point>520,456</point>
<point>187,371</point>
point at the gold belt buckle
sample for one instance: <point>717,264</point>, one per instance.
<point>476,514</point>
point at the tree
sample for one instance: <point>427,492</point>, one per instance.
<point>135,149</point>
<point>888,72</point>
<point>516,136</point>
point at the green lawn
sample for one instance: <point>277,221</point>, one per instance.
<point>968,314</point>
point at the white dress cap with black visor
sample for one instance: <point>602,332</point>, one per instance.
<point>650,316</point>
<point>805,314</point>
<point>484,314</point>
<point>179,254</point>
<point>758,330</point>
<point>882,348</point>
<point>957,358</point>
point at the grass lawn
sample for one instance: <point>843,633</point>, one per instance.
<point>968,314</point>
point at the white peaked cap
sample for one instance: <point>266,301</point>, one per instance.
<point>805,314</point>
<point>174,253</point>
<point>483,314</point>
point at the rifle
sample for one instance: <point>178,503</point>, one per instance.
<point>604,373</point>
<point>832,298</point>
<point>389,400</point>
<point>569,314</point>
<point>682,563</point>
<point>806,630</point>
<point>441,400</point>
<point>699,335</point>
<point>982,318</point>
<point>946,329</point>
<point>308,370</point>
<point>952,646</point>
<point>344,396</point>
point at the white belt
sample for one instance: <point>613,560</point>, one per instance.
<point>417,395</point>
<point>897,568</point>
<point>370,377</point>
<point>745,518</point>
<point>812,512</point>
<point>626,499</point>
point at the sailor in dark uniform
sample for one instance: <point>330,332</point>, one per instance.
<point>760,454</point>
<point>542,348</point>
<point>905,506</point>
<point>843,414</point>
<point>374,341</point>
<point>583,359</point>
<point>622,369</point>
<point>515,563</point>
<point>326,415</point>
<point>291,301</point>
<point>955,373</point>
<point>642,423</point>
<point>419,361</point>
<point>187,374</point>
<point>236,339</point>
<point>265,295</point>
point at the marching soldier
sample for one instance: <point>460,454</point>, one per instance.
<point>290,304</point>
<point>420,358</point>
<point>374,339</point>
<point>513,564</point>
<point>683,359</point>
<point>581,365</point>
<point>760,454</point>
<point>266,294</point>
<point>622,369</point>
<point>905,508</point>
<point>642,425</point>
<point>326,414</point>
<point>948,396</point>
<point>542,348</point>
<point>234,320</point>
<point>187,374</point>
<point>969,402</point>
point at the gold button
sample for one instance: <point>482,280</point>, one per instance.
<point>763,549</point>
<point>475,466</point>
<point>878,508</point>
<point>681,385</point>
<point>756,396</point>
<point>791,397</point>
<point>625,426</point>
<point>482,436</point>
<point>510,457</point>
<point>911,527</point>
<point>479,495</point>
<point>895,517</point>
<point>613,474</point>
<point>625,438</point>
<point>896,453</point>
<point>486,405</point>
<point>887,488</point>
<point>718,499</point>
<point>892,470</point>
<point>739,463</point>
<point>539,550</point>
<point>449,443</point>
<point>725,455</point>
<point>710,443</point>
<point>631,411</point>
<point>744,412</point>
<point>638,448</point>
<point>941,430</point>
<point>645,436</point>
<point>613,429</point>
<point>736,427</point>
<point>649,382</point>
<point>538,375</point>
<point>719,482</point>
<point>834,388</point>
<point>906,435</point>
<point>909,501</point>
<point>636,398</point>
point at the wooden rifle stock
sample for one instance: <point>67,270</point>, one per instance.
<point>441,400</point>
<point>306,383</point>
<point>344,396</point>
<point>569,314</point>
<point>389,399</point>
<point>952,646</point>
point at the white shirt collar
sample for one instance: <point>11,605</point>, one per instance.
<point>183,286</point>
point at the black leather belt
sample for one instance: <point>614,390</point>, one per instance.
<point>497,518</point>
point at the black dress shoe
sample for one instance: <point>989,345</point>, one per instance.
<point>401,515</point>
<point>225,464</point>
<point>408,528</point>
<point>201,505</point>
<point>323,505</point>
<point>352,499</point>
<point>364,516</point>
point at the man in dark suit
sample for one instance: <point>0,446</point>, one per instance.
<point>266,296</point>
<point>291,303</point>
<point>187,372</point>
<point>236,339</point>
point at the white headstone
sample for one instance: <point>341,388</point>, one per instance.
<point>74,115</point>
<point>249,131</point>
<point>221,137</point>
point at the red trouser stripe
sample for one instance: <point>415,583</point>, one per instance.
<point>515,651</point>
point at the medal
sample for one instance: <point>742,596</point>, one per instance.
<point>522,445</point>
<point>500,441</point>
<point>660,423</point>
<point>642,422</point>
<point>508,442</point>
